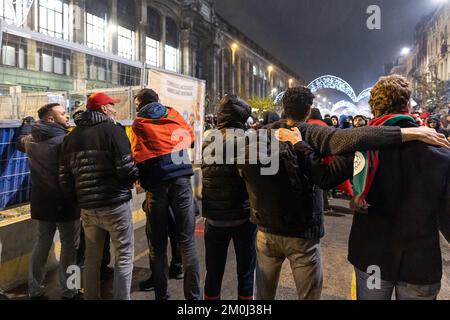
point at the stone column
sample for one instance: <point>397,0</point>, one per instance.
<point>215,85</point>
<point>238,75</point>
<point>31,55</point>
<point>112,29</point>
<point>79,66</point>
<point>246,77</point>
<point>222,72</point>
<point>114,72</point>
<point>79,7</point>
<point>232,75</point>
<point>185,51</point>
<point>252,83</point>
<point>162,49</point>
<point>142,30</point>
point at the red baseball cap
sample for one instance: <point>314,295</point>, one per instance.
<point>99,99</point>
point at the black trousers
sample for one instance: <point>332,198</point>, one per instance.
<point>217,241</point>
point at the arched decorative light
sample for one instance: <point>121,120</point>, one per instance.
<point>333,82</point>
<point>279,98</point>
<point>364,94</point>
<point>343,104</point>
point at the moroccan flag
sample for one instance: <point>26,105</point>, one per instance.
<point>366,165</point>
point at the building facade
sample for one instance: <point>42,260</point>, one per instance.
<point>428,63</point>
<point>76,45</point>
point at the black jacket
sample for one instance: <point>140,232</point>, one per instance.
<point>224,195</point>
<point>284,203</point>
<point>43,147</point>
<point>409,202</point>
<point>97,166</point>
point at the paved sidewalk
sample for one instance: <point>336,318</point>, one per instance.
<point>337,270</point>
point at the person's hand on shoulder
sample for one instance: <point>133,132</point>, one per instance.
<point>426,135</point>
<point>285,135</point>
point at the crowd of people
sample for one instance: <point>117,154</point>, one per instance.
<point>89,173</point>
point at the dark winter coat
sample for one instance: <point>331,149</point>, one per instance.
<point>284,203</point>
<point>42,143</point>
<point>97,166</point>
<point>224,195</point>
<point>409,202</point>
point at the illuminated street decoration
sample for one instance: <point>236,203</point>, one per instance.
<point>333,82</point>
<point>343,104</point>
<point>364,94</point>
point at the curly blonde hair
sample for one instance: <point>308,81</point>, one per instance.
<point>390,95</point>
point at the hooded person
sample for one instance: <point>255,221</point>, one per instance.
<point>344,122</point>
<point>160,141</point>
<point>335,122</point>
<point>435,123</point>
<point>226,208</point>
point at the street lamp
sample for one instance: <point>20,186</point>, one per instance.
<point>270,69</point>
<point>405,51</point>
<point>234,48</point>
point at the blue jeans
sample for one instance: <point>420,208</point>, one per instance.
<point>217,240</point>
<point>403,291</point>
<point>176,194</point>
<point>118,221</point>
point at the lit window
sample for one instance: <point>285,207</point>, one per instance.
<point>7,11</point>
<point>152,52</point>
<point>22,58</point>
<point>54,18</point>
<point>171,58</point>
<point>101,74</point>
<point>255,71</point>
<point>58,65</point>
<point>47,63</point>
<point>68,67</point>
<point>9,56</point>
<point>126,43</point>
<point>95,32</point>
<point>93,72</point>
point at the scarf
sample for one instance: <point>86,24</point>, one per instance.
<point>366,165</point>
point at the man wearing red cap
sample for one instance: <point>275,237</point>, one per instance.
<point>97,169</point>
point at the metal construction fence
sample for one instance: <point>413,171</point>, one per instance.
<point>15,180</point>
<point>17,105</point>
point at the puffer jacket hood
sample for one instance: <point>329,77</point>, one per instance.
<point>153,111</point>
<point>234,113</point>
<point>43,131</point>
<point>343,122</point>
<point>91,118</point>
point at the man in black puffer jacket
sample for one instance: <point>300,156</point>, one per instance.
<point>98,169</point>
<point>226,208</point>
<point>42,142</point>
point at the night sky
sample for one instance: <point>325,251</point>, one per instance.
<point>317,37</point>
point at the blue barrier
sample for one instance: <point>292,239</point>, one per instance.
<point>15,179</point>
